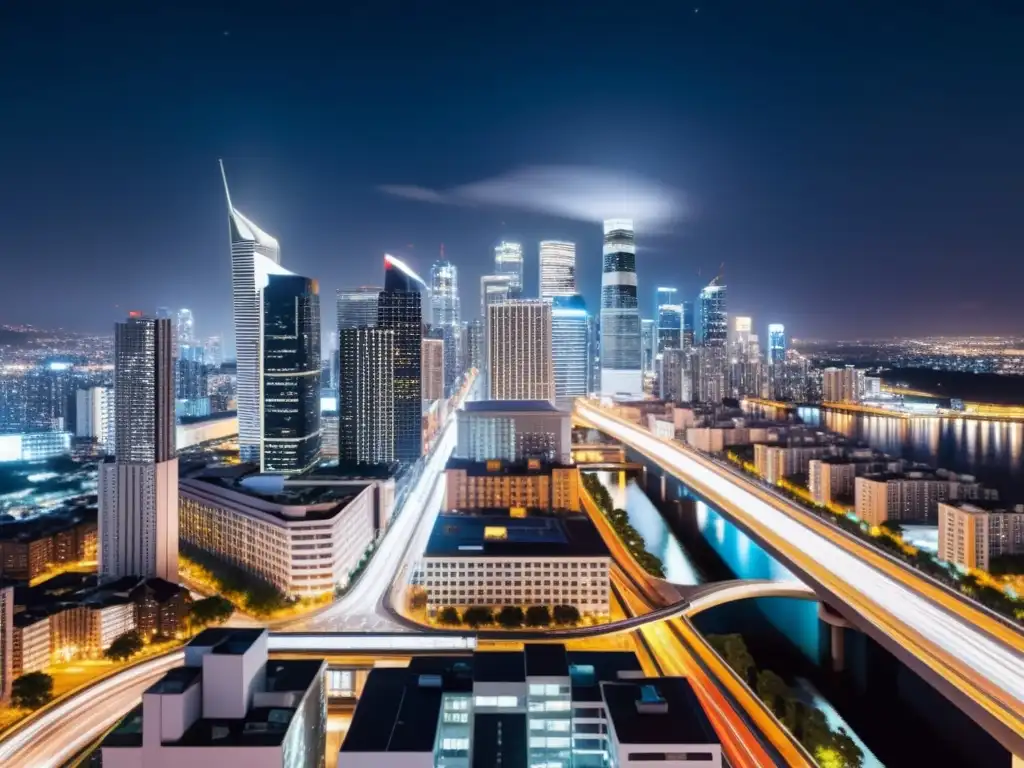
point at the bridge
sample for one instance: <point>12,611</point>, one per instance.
<point>972,656</point>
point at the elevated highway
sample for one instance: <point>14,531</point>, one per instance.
<point>973,657</point>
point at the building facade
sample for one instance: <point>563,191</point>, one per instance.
<point>621,358</point>
<point>913,496</point>
<point>513,431</point>
<point>138,487</point>
<point>776,343</point>
<point>94,416</point>
<point>508,260</point>
<point>971,533</point>
<point>557,261</point>
<point>366,401</point>
<point>434,357</point>
<point>570,349</point>
<point>532,484</point>
<point>842,385</point>
<point>670,320</point>
<point>519,353</point>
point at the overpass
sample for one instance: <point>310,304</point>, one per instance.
<point>973,657</point>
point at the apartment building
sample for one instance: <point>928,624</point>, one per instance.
<point>497,560</point>
<point>31,547</point>
<point>831,479</point>
<point>775,462</point>
<point>30,643</point>
<point>913,496</point>
<point>842,385</point>
<point>513,430</point>
<point>971,533</point>
<point>542,706</point>
<point>530,484</point>
<point>229,706</point>
<point>303,535</point>
<point>87,630</point>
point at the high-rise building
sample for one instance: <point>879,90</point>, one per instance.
<point>48,398</point>
<point>972,533</point>
<point>689,335</point>
<point>842,385</point>
<point>508,260</point>
<point>714,320</point>
<point>366,400</point>
<point>434,358</point>
<point>94,416</point>
<point>672,379</point>
<point>648,340</point>
<point>739,338</point>
<point>621,363</point>
<point>255,256</point>
<point>190,379</point>
<point>214,352</point>
<point>776,343</point>
<point>185,328</point>
<point>494,289</point>
<point>557,268</point>
<point>400,309</point>
<point>476,344</point>
<point>570,344</point>
<point>138,488</point>
<point>445,313</point>
<point>519,359</point>
<point>670,321</point>
<point>711,365</point>
<point>357,307</point>
<point>6,642</point>
<point>290,400</point>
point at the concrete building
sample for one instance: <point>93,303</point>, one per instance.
<point>519,352</point>
<point>330,423</point>
<point>6,643</point>
<point>229,705</point>
<point>366,422</point>
<point>34,446</point>
<point>541,706</point>
<point>496,560</point>
<point>94,416</point>
<point>30,547</point>
<point>532,484</point>
<point>971,533</point>
<point>303,535</point>
<point>557,262</point>
<point>842,385</point>
<point>913,496</point>
<point>775,462</point>
<point>513,430</point>
<point>831,479</point>
<point>86,630</point>
<point>30,643</point>
<point>433,369</point>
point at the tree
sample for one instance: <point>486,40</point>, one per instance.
<point>263,598</point>
<point>124,646</point>
<point>478,616</point>
<point>32,690</point>
<point>449,617</point>
<point>511,616</point>
<point>892,526</point>
<point>538,616</point>
<point>567,615</point>
<point>211,610</point>
<point>773,691</point>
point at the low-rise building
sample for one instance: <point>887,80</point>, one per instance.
<point>304,535</point>
<point>86,630</point>
<point>775,462</point>
<point>32,546</point>
<point>971,533</point>
<point>531,484</point>
<point>497,560</point>
<point>542,706</point>
<point>513,430</point>
<point>228,706</point>
<point>914,495</point>
<point>30,643</point>
<point>161,607</point>
<point>831,478</point>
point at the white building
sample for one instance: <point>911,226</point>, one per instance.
<point>775,462</point>
<point>842,385</point>
<point>519,355</point>
<point>34,446</point>
<point>94,416</point>
<point>31,643</point>
<point>227,707</point>
<point>972,533</point>
<point>495,560</point>
<point>570,345</point>
<point>303,535</point>
<point>513,430</point>
<point>217,427</point>
<point>831,478</point>
<point>557,268</point>
<point>508,260</point>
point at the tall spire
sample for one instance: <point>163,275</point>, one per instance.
<point>224,176</point>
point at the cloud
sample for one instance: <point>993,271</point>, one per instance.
<point>571,192</point>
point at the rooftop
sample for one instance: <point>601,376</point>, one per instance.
<point>228,640</point>
<point>499,740</point>
<point>395,714</point>
<point>466,535</point>
<point>176,680</point>
<point>662,710</point>
<point>545,660</point>
<point>499,467</point>
<point>512,406</point>
<point>984,506</point>
<point>499,667</point>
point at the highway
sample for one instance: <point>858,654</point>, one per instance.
<point>970,651</point>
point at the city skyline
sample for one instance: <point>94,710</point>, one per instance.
<point>786,195</point>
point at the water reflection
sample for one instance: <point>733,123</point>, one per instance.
<point>991,450</point>
<point>649,523</point>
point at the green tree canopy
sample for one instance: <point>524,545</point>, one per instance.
<point>449,616</point>
<point>32,690</point>
<point>566,615</point>
<point>124,646</point>
<point>538,616</point>
<point>211,610</point>
<point>511,616</point>
<point>478,616</point>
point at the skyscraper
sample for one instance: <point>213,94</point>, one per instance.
<point>621,361</point>
<point>508,260</point>
<point>476,354</point>
<point>670,321</point>
<point>570,343</point>
<point>494,289</point>
<point>433,357</point>
<point>647,343</point>
<point>712,362</point>
<point>689,335</point>
<point>776,343</point>
<point>255,256</point>
<point>445,311</point>
<point>366,401</point>
<point>138,488</point>
<point>213,352</point>
<point>290,399</point>
<point>185,327</point>
<point>400,309</point>
<point>519,355</point>
<point>357,307</point>
<point>557,268</point>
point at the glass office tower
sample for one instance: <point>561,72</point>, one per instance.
<point>621,359</point>
<point>570,343</point>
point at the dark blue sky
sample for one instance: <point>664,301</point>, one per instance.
<point>858,167</point>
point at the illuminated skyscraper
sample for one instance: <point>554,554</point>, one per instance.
<point>366,402</point>
<point>185,327</point>
<point>138,487</point>
<point>400,309</point>
<point>357,307</point>
<point>621,361</point>
<point>689,334</point>
<point>712,363</point>
<point>508,260</point>
<point>557,269</point>
<point>291,375</point>
<point>776,343</point>
<point>445,311</point>
<point>494,289</point>
<point>670,321</point>
<point>647,344</point>
<point>570,343</point>
<point>519,358</point>
<point>255,256</point>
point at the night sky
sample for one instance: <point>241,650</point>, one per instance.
<point>857,167</point>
